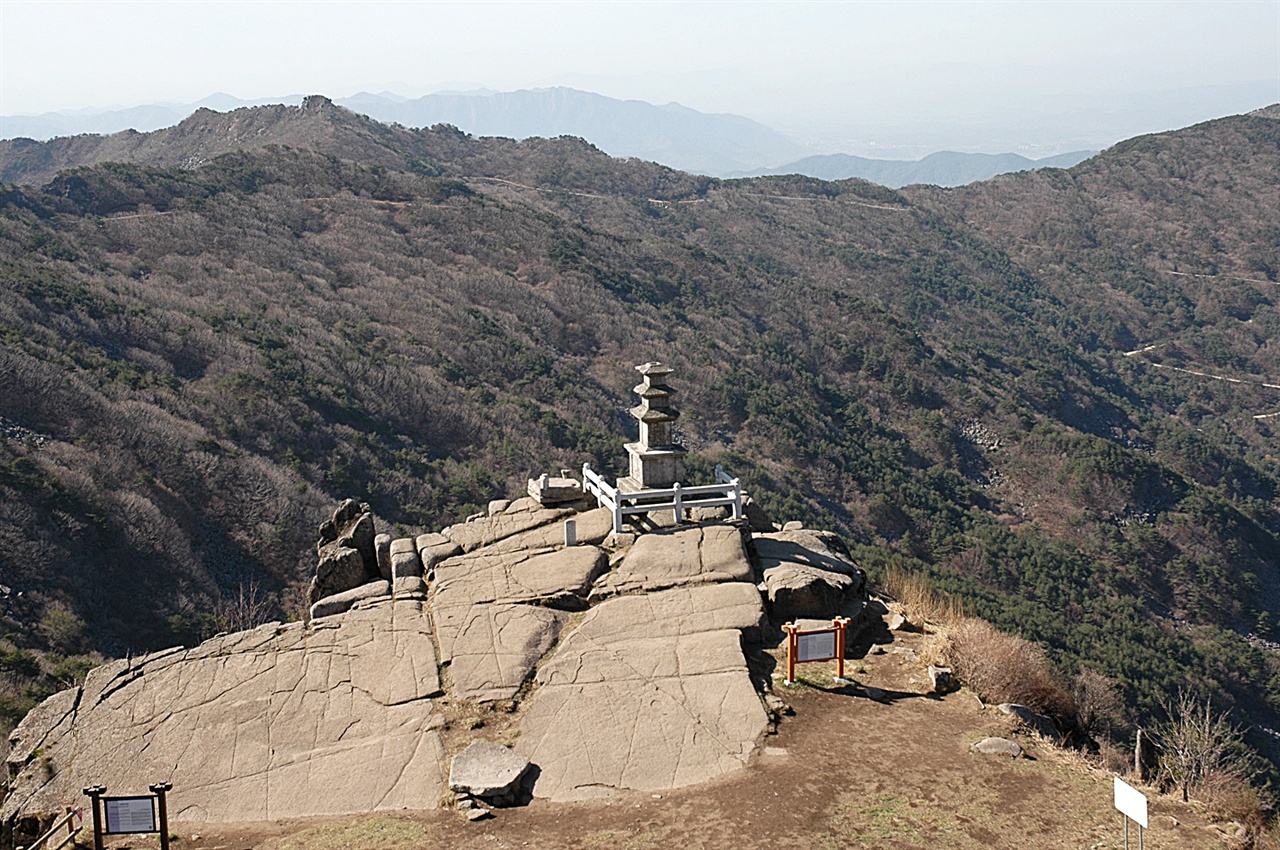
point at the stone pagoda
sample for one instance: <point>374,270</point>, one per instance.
<point>656,458</point>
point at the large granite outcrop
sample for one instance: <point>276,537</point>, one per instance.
<point>281,721</point>
<point>649,693</point>
<point>497,613</point>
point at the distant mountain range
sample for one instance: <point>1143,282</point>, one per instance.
<point>673,135</point>
<point>945,168</point>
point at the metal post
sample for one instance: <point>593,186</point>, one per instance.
<point>1126,832</point>
<point>93,792</point>
<point>159,790</point>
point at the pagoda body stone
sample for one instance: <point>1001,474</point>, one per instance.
<point>656,459</point>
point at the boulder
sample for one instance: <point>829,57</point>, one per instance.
<point>757,518</point>
<point>997,747</point>
<point>806,574</point>
<point>279,722</point>
<point>350,530</point>
<point>406,562</point>
<point>340,602</point>
<point>434,548</point>
<point>382,550</point>
<point>1032,720</point>
<point>340,569</point>
<point>796,591</point>
<point>942,680</point>
<point>497,506</point>
<point>486,769</point>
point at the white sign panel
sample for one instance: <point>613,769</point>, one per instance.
<point>1131,802</point>
<point>820,646</point>
<point>129,814</point>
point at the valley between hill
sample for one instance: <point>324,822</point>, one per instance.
<point>210,334</point>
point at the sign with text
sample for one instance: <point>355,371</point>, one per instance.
<point>1131,802</point>
<point>817,646</point>
<point>126,815</point>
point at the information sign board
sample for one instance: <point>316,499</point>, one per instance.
<point>127,815</point>
<point>818,646</point>
<point>1131,802</point>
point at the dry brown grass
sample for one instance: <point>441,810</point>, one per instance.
<point>1004,668</point>
<point>923,603</point>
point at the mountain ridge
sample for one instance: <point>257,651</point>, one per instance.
<point>1007,388</point>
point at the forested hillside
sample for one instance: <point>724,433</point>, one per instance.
<point>1008,387</point>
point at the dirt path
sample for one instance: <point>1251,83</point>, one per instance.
<point>843,772</point>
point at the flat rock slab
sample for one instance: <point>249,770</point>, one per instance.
<point>278,722</point>
<point>520,516</point>
<point>810,548</point>
<point>340,602</point>
<point>492,615</point>
<point>492,648</point>
<point>996,747</point>
<point>592,528</point>
<point>486,769</point>
<point>656,692</point>
<point>665,559</point>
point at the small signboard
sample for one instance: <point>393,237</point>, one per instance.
<point>1131,802</point>
<point>130,815</point>
<point>816,646</point>
<point>127,815</point>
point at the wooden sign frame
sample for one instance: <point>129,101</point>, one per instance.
<point>102,824</point>
<point>805,645</point>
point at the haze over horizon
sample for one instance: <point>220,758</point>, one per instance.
<point>896,80</point>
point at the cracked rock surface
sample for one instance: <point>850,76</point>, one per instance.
<point>277,722</point>
<point>496,613</point>
<point>649,693</point>
<point>664,559</point>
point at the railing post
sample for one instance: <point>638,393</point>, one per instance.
<point>737,499</point>
<point>679,507</point>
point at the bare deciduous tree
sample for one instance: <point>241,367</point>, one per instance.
<point>1195,741</point>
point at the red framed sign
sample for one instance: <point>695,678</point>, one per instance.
<point>804,645</point>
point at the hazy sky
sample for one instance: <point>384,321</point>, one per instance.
<point>778,62</point>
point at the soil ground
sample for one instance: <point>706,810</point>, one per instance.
<point>844,772</point>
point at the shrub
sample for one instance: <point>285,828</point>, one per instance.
<point>1003,668</point>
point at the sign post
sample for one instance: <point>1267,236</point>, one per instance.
<point>1132,804</point>
<point>130,815</point>
<point>815,645</point>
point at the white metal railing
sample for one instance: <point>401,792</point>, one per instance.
<point>727,491</point>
